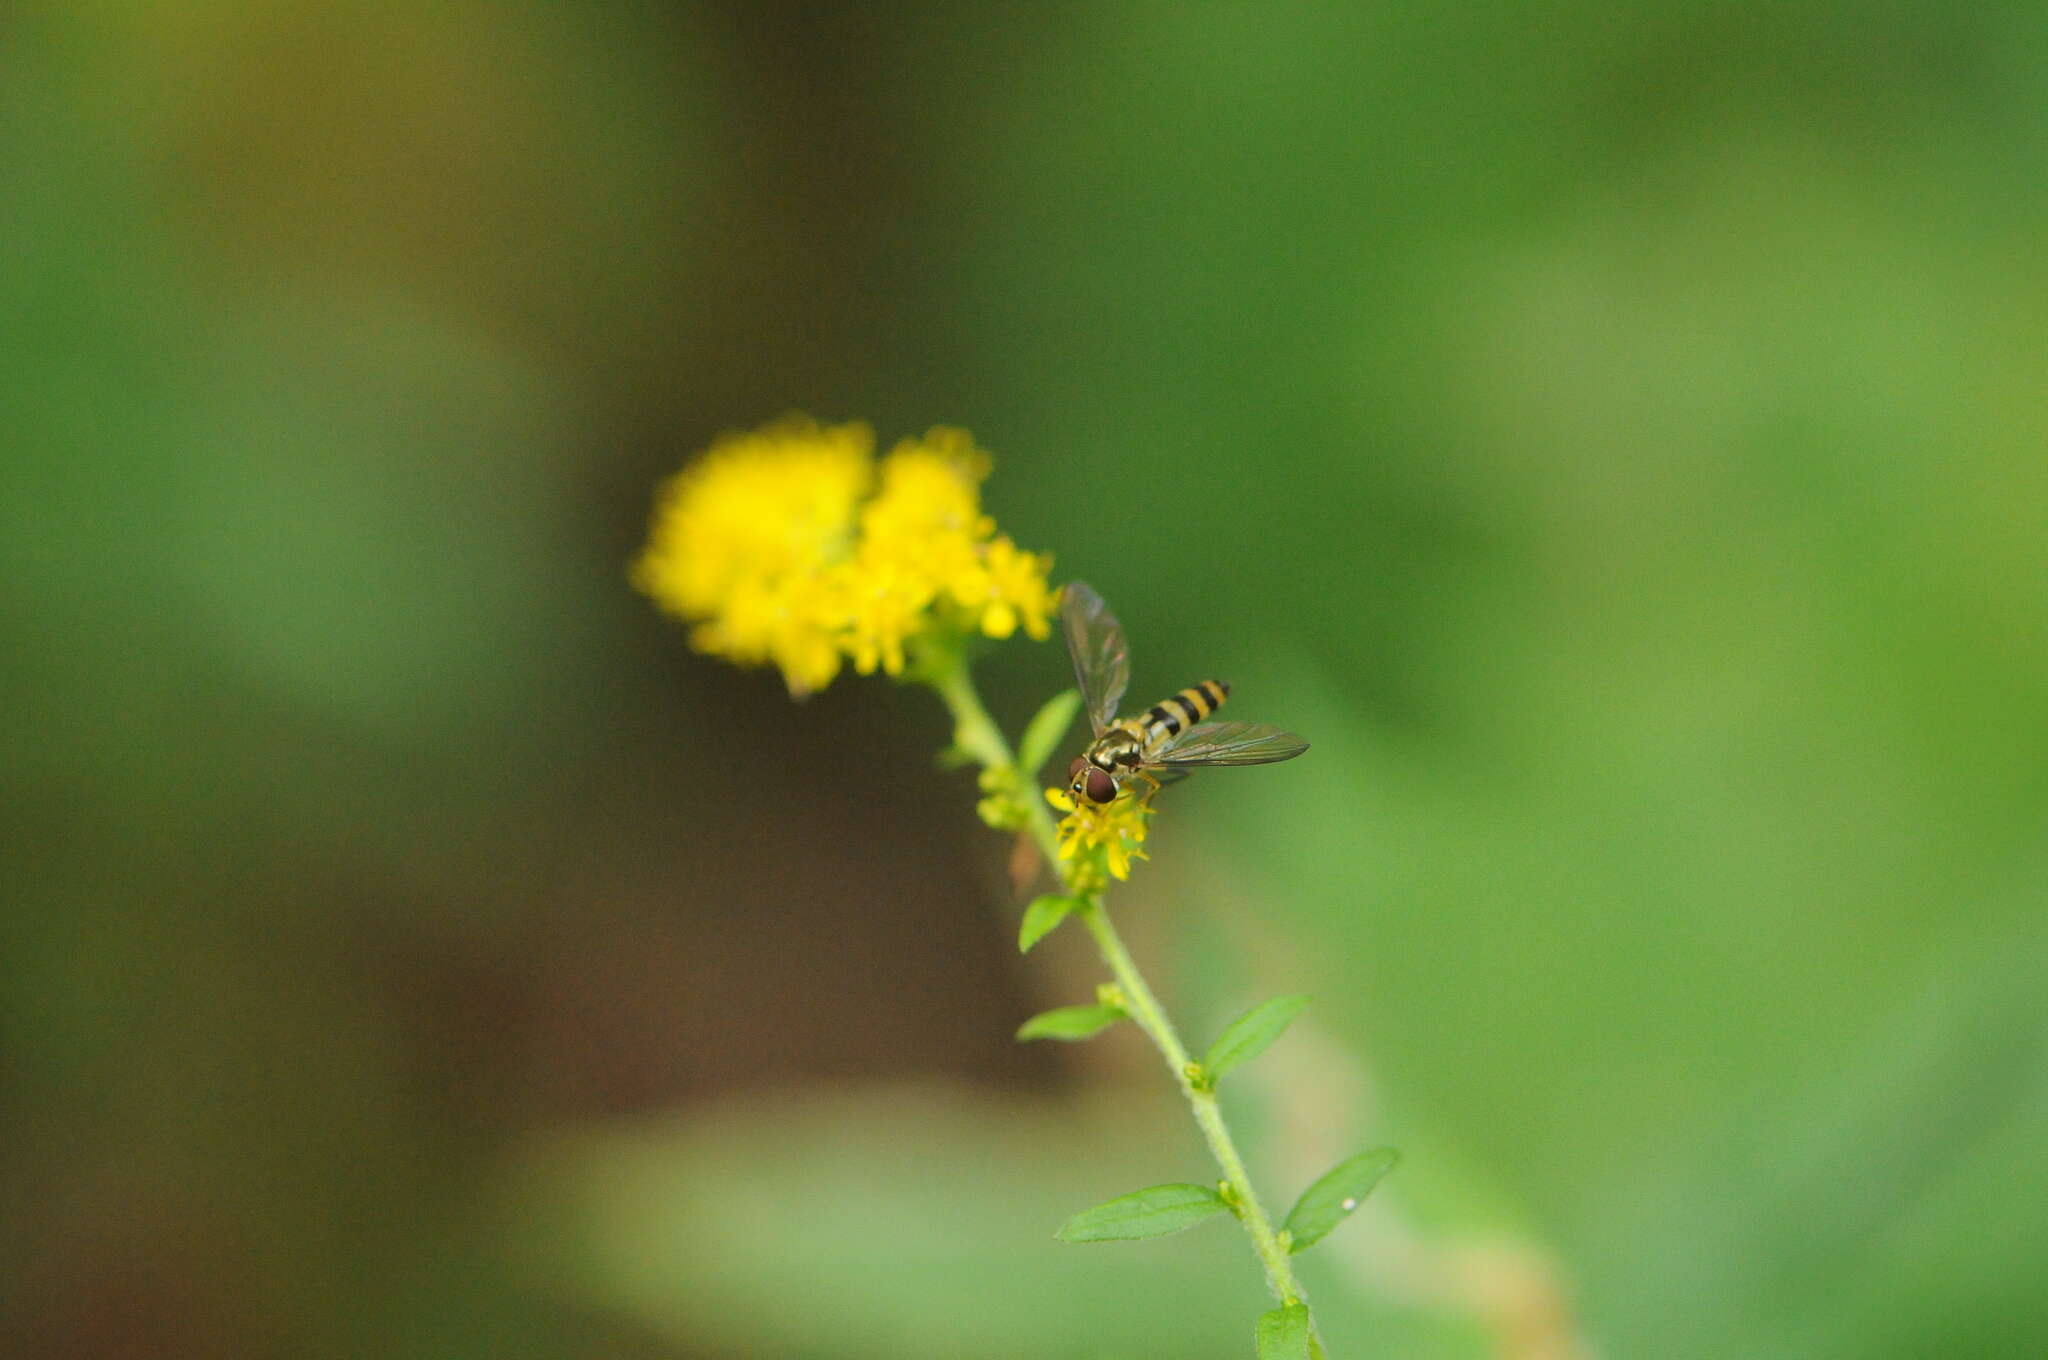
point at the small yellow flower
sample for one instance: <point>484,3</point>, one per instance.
<point>1008,590</point>
<point>884,605</point>
<point>1099,836</point>
<point>788,546</point>
<point>780,620</point>
<point>929,498</point>
<point>742,540</point>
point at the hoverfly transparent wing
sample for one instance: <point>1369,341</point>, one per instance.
<point>1229,743</point>
<point>1102,662</point>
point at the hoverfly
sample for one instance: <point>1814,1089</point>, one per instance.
<point>1170,737</point>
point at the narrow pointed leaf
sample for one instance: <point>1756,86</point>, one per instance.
<point>1283,1333</point>
<point>1070,1023</point>
<point>1042,735</point>
<point>1249,1034</point>
<point>1151,1212</point>
<point>1039,919</point>
<point>1331,1200</point>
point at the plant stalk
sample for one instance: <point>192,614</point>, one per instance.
<point>977,734</point>
<point>1151,1017</point>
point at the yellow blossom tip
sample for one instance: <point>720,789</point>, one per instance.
<point>791,546</point>
<point>1103,837</point>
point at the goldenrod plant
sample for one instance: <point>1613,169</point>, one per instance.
<point>794,546</point>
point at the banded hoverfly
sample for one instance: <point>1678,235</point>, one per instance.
<point>1166,741</point>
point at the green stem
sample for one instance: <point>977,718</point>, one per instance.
<point>1151,1017</point>
<point>977,734</point>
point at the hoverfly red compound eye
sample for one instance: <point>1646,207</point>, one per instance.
<point>1101,788</point>
<point>1074,770</point>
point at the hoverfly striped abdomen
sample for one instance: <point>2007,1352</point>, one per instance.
<point>1174,716</point>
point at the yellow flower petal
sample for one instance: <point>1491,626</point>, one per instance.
<point>788,546</point>
<point>1102,837</point>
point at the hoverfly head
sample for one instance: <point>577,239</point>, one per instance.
<point>1090,781</point>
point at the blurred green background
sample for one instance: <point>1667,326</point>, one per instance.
<point>1613,434</point>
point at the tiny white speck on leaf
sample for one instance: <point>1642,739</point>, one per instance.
<point>1350,1203</point>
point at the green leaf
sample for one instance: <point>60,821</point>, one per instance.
<point>1070,1022</point>
<point>1040,917</point>
<point>1151,1212</point>
<point>1047,726</point>
<point>1283,1333</point>
<point>1249,1034</point>
<point>1330,1200</point>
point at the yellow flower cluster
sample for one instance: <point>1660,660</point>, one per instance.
<point>789,545</point>
<point>1098,836</point>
